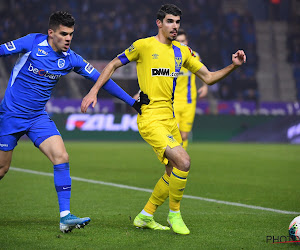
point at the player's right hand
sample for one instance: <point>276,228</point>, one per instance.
<point>90,98</point>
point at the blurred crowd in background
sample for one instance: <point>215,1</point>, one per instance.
<point>106,28</point>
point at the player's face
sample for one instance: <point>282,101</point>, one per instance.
<point>182,39</point>
<point>61,38</point>
<point>170,26</point>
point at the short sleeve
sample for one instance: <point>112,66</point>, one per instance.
<point>192,62</point>
<point>21,45</point>
<point>132,53</point>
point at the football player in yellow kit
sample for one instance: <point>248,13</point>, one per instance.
<point>159,60</point>
<point>185,98</point>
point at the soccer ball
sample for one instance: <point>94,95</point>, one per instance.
<point>294,229</point>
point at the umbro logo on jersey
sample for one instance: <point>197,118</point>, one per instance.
<point>41,52</point>
<point>155,56</point>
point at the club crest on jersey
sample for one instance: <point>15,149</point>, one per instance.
<point>178,62</point>
<point>10,46</point>
<point>155,56</point>
<point>61,62</point>
<point>171,138</point>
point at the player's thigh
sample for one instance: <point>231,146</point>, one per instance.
<point>47,138</point>
<point>160,134</point>
<point>5,159</point>
<point>42,128</point>
<point>178,158</point>
<point>54,148</point>
<point>7,145</point>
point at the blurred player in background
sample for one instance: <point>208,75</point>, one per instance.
<point>159,60</point>
<point>45,59</point>
<point>185,98</point>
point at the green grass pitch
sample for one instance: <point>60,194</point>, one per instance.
<point>253,174</point>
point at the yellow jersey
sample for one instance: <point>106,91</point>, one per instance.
<point>158,66</point>
<point>186,90</point>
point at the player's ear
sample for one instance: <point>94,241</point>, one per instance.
<point>158,23</point>
<point>50,32</point>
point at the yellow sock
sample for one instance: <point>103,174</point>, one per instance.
<point>159,194</point>
<point>185,144</point>
<point>177,184</point>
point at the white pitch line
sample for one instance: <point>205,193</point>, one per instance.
<point>150,191</point>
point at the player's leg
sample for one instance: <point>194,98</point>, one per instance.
<point>7,145</point>
<point>153,132</point>
<point>5,160</point>
<point>179,160</point>
<point>160,193</point>
<point>178,168</point>
<point>46,137</point>
<point>54,148</point>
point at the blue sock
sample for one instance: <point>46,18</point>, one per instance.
<point>62,182</point>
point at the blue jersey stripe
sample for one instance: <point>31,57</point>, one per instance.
<point>18,67</point>
<point>178,64</point>
<point>123,58</point>
<point>189,93</point>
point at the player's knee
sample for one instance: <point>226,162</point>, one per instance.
<point>3,170</point>
<point>185,163</point>
<point>65,157</point>
<point>61,157</point>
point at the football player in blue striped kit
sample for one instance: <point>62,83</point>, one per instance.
<point>44,59</point>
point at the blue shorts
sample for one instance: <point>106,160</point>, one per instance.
<point>37,128</point>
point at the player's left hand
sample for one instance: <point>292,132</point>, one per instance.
<point>143,99</point>
<point>239,58</point>
<point>90,98</point>
<point>202,92</point>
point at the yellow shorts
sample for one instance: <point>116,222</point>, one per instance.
<point>185,115</point>
<point>160,134</point>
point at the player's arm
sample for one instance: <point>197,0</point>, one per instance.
<point>130,54</point>
<point>211,78</point>
<point>21,45</point>
<point>91,97</point>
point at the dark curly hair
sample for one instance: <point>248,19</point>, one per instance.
<point>168,9</point>
<point>61,18</point>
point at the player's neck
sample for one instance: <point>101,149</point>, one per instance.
<point>162,39</point>
<point>50,42</point>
